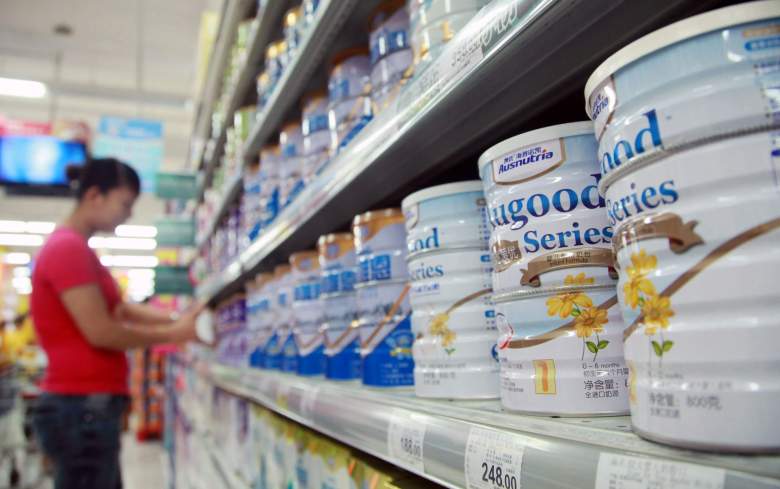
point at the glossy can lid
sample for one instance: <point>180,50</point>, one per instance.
<point>441,190</point>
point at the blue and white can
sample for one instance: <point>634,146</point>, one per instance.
<point>554,278</point>
<point>687,118</point>
<point>340,335</point>
<point>349,106</point>
<point>548,218</point>
<point>450,272</point>
<point>386,336</point>
<point>337,263</point>
<point>269,185</point>
<point>307,312</point>
<point>425,12</point>
<point>316,134</point>
<point>290,162</point>
<point>391,53</point>
<point>281,316</point>
<point>380,243</point>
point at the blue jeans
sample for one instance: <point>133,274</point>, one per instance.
<point>80,434</point>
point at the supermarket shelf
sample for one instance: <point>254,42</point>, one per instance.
<point>219,284</point>
<point>330,16</point>
<point>557,452</point>
<point>232,189</point>
<point>233,11</point>
<point>259,38</point>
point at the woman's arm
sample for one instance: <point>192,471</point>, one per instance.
<point>143,314</point>
<point>86,305</point>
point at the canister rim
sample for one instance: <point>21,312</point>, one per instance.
<point>536,136</point>
<point>376,214</point>
<point>679,31</point>
<point>520,294</point>
<point>440,191</point>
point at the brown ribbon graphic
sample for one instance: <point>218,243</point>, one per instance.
<point>705,262</point>
<point>445,315</point>
<point>560,331</point>
<point>667,225</point>
<point>387,318</point>
<point>304,346</point>
<point>505,254</point>
<point>560,260</point>
<point>341,338</point>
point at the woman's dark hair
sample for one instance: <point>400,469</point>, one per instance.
<point>104,173</point>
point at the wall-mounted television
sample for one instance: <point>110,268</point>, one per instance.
<point>38,160</point>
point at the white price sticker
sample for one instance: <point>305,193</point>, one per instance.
<point>308,401</point>
<point>405,437</point>
<point>625,472</point>
<point>494,459</point>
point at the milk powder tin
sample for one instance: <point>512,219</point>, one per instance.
<point>708,76</point>
<point>561,352</point>
<point>259,319</point>
<point>548,219</point>
<point>291,162</point>
<point>447,216</point>
<point>389,25</point>
<point>349,76</point>
<point>453,321</point>
<point>276,59</point>
<point>380,242</point>
<point>281,313</point>
<point>696,244</point>
<point>269,184</point>
<point>337,262</point>
<point>346,118</point>
<point>385,334</point>
<point>389,71</point>
<point>431,36</point>
<point>307,312</point>
<point>315,123</point>
<point>340,335</point>
<point>293,27</point>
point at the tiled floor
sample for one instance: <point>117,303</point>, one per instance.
<point>142,463</point>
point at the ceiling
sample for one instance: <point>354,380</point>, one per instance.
<point>130,58</point>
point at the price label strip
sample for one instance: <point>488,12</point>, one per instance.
<point>308,402</point>
<point>625,472</point>
<point>494,459</point>
<point>405,438</point>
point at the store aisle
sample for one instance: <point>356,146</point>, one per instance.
<point>142,463</point>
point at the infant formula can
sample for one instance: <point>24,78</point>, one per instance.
<point>430,37</point>
<point>386,336</point>
<point>424,12</point>
<point>391,54</point>
<point>553,278</point>
<point>340,335</point>
<point>310,10</point>
<point>690,182</point>
<point>337,263</point>
<point>383,299</point>
<point>269,184</point>
<point>450,271</point>
<point>548,219</point>
<point>380,243</point>
<point>307,312</point>
<point>291,162</point>
<point>281,310</point>
<point>293,29</point>
<point>316,134</point>
<point>259,320</point>
<point>349,107</point>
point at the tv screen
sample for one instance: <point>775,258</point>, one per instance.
<point>38,160</point>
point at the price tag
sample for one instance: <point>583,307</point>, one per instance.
<point>308,402</point>
<point>405,437</point>
<point>625,472</point>
<point>282,395</point>
<point>494,459</point>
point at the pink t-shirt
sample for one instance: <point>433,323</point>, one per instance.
<point>75,366</point>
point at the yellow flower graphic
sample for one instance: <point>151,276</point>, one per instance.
<point>438,324</point>
<point>590,321</point>
<point>657,311</point>
<point>631,382</point>
<point>562,305</point>
<point>448,338</point>
<point>641,265</point>
<point>579,279</point>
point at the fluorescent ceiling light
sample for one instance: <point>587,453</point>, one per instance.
<point>110,243</point>
<point>130,231</point>
<point>21,240</point>
<point>14,87</point>
<point>22,272</point>
<point>13,226</point>
<point>140,274</point>
<point>40,227</point>
<point>129,261</point>
<point>16,258</point>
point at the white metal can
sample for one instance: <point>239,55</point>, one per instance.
<point>385,334</point>
<point>561,352</point>
<point>547,215</point>
<point>711,75</point>
<point>380,243</point>
<point>697,246</point>
<point>423,12</point>
<point>454,324</point>
<point>307,312</point>
<point>337,262</point>
<point>446,217</point>
<point>340,334</point>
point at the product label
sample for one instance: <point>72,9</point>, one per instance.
<point>602,105</point>
<point>309,403</point>
<point>626,472</point>
<point>494,459</point>
<point>405,439</point>
<point>529,162</point>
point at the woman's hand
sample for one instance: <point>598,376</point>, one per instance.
<point>183,328</point>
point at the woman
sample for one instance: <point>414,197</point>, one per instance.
<point>84,328</point>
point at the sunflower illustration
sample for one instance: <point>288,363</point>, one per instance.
<point>588,320</point>
<point>579,279</point>
<point>641,265</point>
<point>657,311</point>
<point>563,305</point>
<point>439,327</point>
